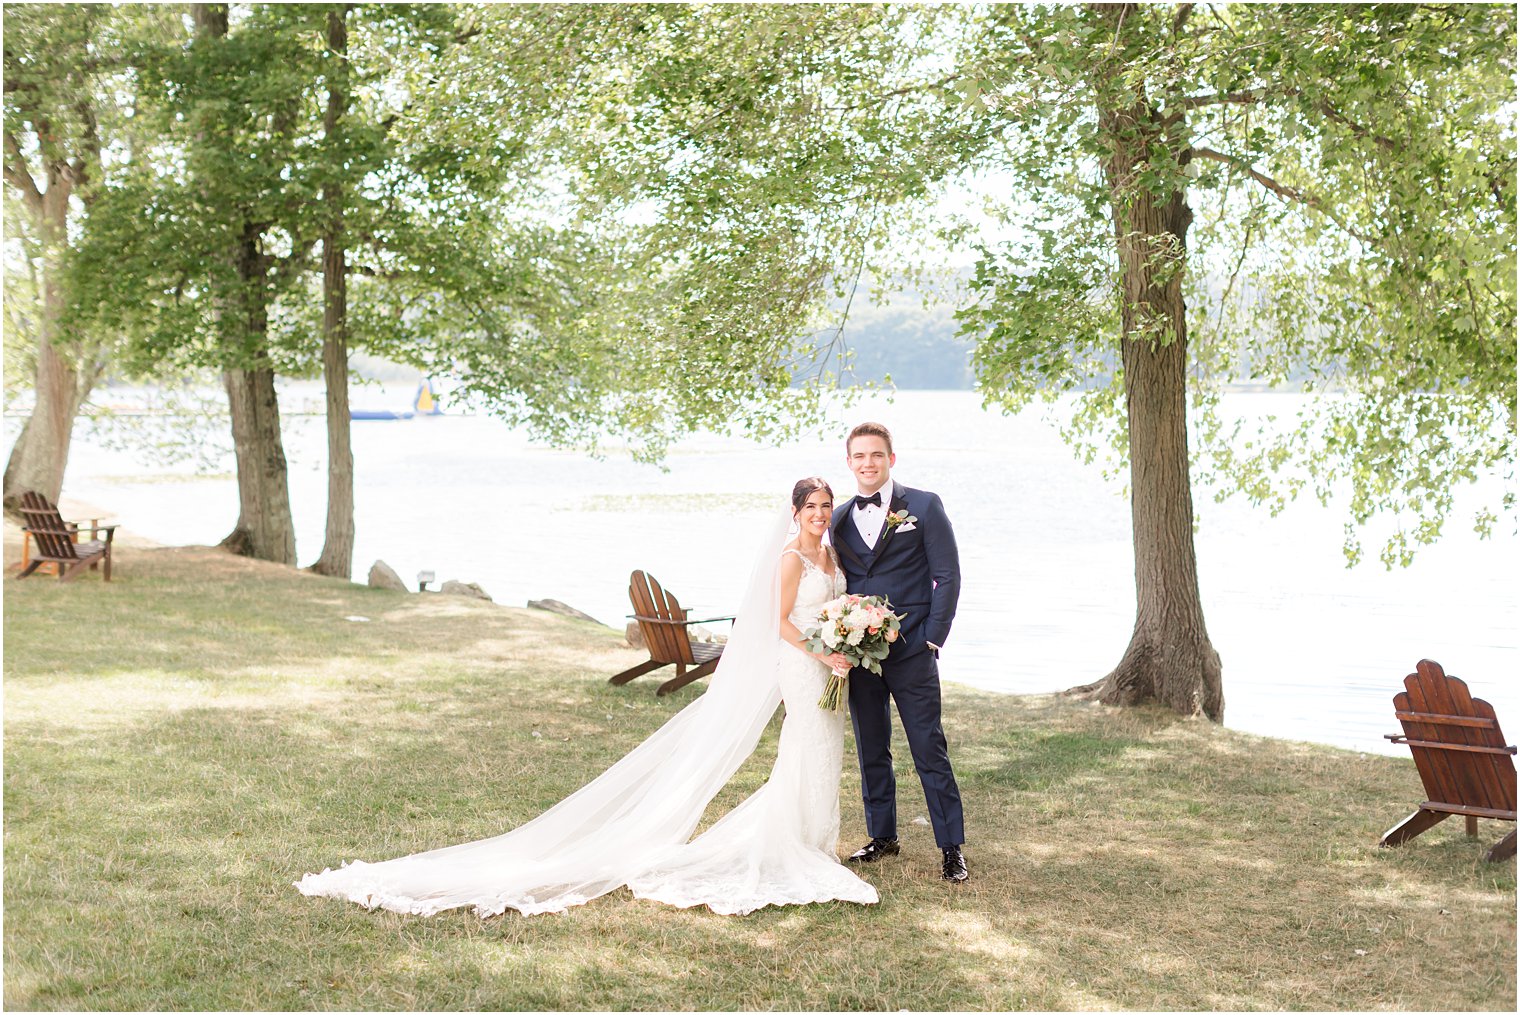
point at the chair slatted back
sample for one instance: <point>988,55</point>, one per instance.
<point>55,540</point>
<point>1456,741</point>
<point>668,642</point>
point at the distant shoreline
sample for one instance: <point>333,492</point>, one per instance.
<point>108,411</point>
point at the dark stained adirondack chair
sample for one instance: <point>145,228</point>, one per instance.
<point>1460,752</point>
<point>57,541</point>
<point>664,624</point>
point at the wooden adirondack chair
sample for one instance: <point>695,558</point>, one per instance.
<point>57,541</point>
<point>1460,752</point>
<point>664,624</point>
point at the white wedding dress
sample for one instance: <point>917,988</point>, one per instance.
<point>777,847</point>
<point>631,825</point>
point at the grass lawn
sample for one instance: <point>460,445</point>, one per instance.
<point>182,744</point>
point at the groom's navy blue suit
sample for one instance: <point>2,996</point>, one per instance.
<point>919,571</point>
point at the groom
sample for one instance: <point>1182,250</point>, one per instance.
<point>896,542</point>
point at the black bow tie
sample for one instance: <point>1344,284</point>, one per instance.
<point>875,498</point>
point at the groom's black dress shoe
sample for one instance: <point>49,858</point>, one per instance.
<point>955,865</point>
<point>875,850</point>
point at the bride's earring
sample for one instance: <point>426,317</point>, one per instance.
<point>795,527</point>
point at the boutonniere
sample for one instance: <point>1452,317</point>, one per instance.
<point>902,521</point>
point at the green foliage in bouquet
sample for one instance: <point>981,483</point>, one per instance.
<point>861,628</point>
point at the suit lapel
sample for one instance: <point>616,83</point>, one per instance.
<point>897,503</point>
<point>841,539</point>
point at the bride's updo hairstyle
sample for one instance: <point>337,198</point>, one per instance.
<point>805,489</point>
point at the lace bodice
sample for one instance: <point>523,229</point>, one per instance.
<point>814,588</point>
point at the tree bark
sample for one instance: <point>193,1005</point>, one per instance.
<point>264,527</point>
<point>41,453</point>
<point>1170,658</point>
<point>13,463</point>
<point>338,546</point>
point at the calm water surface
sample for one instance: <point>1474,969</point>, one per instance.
<point>1311,650</point>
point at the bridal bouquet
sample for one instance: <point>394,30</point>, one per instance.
<point>861,628</point>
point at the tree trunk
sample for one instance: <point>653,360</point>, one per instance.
<point>13,463</point>
<point>1169,658</point>
<point>338,546</point>
<point>264,528</point>
<point>41,452</point>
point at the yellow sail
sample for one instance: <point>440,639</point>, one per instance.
<point>426,403</point>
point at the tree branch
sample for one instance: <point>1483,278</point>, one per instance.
<point>876,100</point>
<point>1282,190</point>
<point>1184,11</point>
<point>85,107</point>
<point>285,269</point>
<point>1242,98</point>
<point>1250,96</point>
<point>1364,133</point>
<point>16,175</point>
<point>1245,97</point>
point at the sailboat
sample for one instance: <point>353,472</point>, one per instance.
<point>424,403</point>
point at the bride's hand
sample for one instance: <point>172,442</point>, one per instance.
<point>837,661</point>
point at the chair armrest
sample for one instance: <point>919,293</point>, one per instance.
<point>1402,738</point>
<point>672,623</point>
<point>658,620</point>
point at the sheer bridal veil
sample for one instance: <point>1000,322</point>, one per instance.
<point>604,834</point>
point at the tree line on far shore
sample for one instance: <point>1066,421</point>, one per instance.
<point>644,219</point>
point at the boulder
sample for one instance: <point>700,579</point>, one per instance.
<point>634,635</point>
<point>454,588</point>
<point>383,576</point>
<point>564,610</point>
<point>703,636</point>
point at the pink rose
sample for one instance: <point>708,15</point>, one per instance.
<point>891,635</point>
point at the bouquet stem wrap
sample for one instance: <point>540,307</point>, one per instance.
<point>833,691</point>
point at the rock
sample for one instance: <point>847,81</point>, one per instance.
<point>703,636</point>
<point>454,588</point>
<point>555,606</point>
<point>634,635</point>
<point>382,576</point>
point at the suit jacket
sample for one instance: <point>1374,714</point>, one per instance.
<point>918,570</point>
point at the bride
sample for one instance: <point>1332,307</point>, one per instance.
<point>630,825</point>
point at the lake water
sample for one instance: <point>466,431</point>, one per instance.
<point>1311,650</point>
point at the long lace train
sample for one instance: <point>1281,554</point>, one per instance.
<point>630,825</point>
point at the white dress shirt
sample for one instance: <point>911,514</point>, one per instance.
<point>870,519</point>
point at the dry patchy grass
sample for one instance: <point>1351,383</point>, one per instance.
<point>184,743</point>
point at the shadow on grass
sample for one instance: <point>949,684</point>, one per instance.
<point>181,834</point>
<point>165,785</point>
